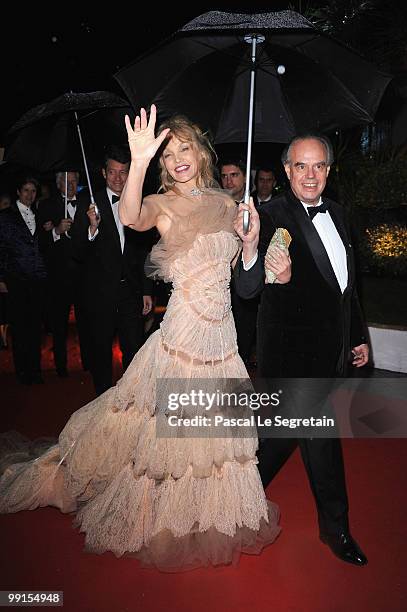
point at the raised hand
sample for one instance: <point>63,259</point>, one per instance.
<point>142,141</point>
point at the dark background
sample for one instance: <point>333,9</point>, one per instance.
<point>47,53</point>
<point>78,48</point>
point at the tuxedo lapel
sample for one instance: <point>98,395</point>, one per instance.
<point>314,242</point>
<point>107,218</point>
<point>22,223</point>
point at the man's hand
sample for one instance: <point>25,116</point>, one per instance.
<point>48,226</point>
<point>361,355</point>
<point>3,287</point>
<point>147,304</point>
<point>94,218</point>
<point>280,263</point>
<point>251,239</point>
<point>64,226</point>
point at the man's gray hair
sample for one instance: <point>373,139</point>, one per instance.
<point>324,140</point>
<point>61,175</point>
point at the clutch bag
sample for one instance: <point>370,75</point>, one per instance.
<point>282,239</point>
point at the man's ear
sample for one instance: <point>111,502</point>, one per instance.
<point>287,169</point>
<point>104,173</point>
<point>327,170</point>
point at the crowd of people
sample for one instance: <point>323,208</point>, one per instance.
<point>163,500</point>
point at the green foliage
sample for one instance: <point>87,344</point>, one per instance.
<point>384,250</point>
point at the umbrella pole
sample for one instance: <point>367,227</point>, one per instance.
<point>253,39</point>
<point>92,199</point>
<point>66,194</point>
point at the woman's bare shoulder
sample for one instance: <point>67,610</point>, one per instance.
<point>155,201</point>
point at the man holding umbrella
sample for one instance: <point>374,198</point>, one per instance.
<point>56,216</point>
<point>311,326</point>
<point>116,292</point>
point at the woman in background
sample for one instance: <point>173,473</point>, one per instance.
<point>22,271</point>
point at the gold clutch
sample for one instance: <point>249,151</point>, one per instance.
<point>282,239</point>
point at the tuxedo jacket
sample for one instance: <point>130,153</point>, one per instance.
<point>58,254</point>
<point>103,263</point>
<point>307,327</point>
<point>20,255</point>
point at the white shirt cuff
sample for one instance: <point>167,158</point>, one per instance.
<point>250,264</point>
<point>90,237</point>
<point>55,235</point>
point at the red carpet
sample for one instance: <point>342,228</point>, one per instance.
<point>41,551</point>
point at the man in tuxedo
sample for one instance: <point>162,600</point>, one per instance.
<point>55,220</point>
<point>308,327</point>
<point>116,292</point>
<point>264,182</point>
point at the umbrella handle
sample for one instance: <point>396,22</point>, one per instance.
<point>246,221</point>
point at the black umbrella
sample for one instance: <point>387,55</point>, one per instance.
<point>304,78</point>
<point>49,137</point>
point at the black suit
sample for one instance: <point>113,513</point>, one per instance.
<point>306,328</point>
<point>63,278</point>
<point>113,287</point>
<point>22,268</point>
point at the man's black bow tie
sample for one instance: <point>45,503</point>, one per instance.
<point>314,210</point>
<point>72,203</point>
<point>115,199</point>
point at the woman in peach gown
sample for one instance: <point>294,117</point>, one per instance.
<point>175,503</point>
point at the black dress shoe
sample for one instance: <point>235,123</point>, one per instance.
<point>345,548</point>
<point>62,372</point>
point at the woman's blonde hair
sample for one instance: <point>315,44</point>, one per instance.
<point>187,131</point>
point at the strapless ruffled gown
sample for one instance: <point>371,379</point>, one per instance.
<point>175,503</point>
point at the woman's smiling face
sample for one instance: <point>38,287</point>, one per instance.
<point>181,160</point>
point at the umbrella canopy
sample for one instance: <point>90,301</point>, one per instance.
<point>46,139</point>
<point>305,80</point>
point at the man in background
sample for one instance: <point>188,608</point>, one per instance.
<point>264,182</point>
<point>233,178</point>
